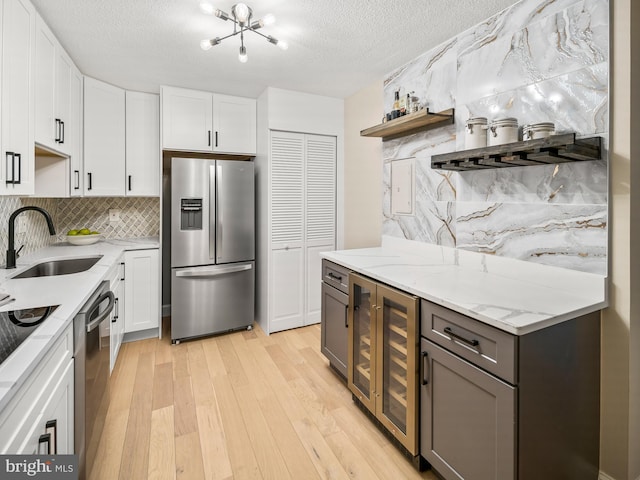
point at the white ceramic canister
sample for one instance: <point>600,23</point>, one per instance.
<point>503,130</point>
<point>475,135</point>
<point>538,130</point>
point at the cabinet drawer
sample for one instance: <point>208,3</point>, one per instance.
<point>487,347</point>
<point>335,275</point>
<point>22,410</point>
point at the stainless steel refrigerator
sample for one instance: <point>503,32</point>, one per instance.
<point>212,246</point>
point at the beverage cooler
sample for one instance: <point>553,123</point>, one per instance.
<point>383,357</point>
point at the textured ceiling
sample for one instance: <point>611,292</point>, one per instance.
<point>336,47</point>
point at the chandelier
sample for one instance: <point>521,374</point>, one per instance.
<point>242,18</point>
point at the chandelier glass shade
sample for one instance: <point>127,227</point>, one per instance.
<point>242,18</point>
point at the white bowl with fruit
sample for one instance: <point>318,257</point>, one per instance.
<point>83,236</point>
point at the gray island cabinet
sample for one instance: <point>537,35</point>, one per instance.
<point>505,360</point>
<point>501,406</point>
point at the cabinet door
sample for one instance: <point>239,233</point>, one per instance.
<point>114,324</point>
<point>74,131</point>
<point>142,290</point>
<point>142,144</point>
<point>55,419</point>
<point>187,119</point>
<point>46,127</point>
<point>396,367</point>
<point>320,190</point>
<point>234,124</point>
<point>335,334</point>
<point>362,340</point>
<point>17,165</point>
<point>286,283</point>
<point>468,420</point>
<point>66,131</point>
<point>104,139</point>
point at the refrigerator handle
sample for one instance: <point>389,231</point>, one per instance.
<point>213,207</point>
<point>214,272</point>
<point>219,213</point>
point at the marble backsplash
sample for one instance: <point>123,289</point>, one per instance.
<point>538,60</point>
<point>139,217</point>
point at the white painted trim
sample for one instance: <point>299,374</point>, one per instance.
<point>604,476</point>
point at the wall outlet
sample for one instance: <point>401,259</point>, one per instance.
<point>114,215</point>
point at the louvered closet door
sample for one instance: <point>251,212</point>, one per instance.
<point>320,215</point>
<point>287,227</point>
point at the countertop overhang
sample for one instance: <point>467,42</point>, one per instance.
<point>515,296</point>
<point>70,292</point>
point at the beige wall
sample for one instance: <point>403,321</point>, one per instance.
<point>363,169</point>
<point>620,442</point>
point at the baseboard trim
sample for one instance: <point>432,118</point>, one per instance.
<point>604,476</point>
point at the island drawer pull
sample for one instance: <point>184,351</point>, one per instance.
<point>451,333</point>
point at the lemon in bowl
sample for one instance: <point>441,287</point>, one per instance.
<point>83,236</point>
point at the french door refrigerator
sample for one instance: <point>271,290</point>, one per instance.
<point>212,246</point>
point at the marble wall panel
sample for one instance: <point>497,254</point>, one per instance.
<point>570,40</point>
<point>539,60</point>
<point>572,236</point>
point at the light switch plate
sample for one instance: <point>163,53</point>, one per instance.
<point>114,215</point>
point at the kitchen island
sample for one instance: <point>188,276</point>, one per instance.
<point>491,365</point>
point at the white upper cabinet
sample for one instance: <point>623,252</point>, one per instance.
<point>104,139</point>
<point>234,124</point>
<point>17,163</point>
<point>187,119</point>
<point>206,122</point>
<point>53,94</point>
<point>76,170</point>
<point>142,144</point>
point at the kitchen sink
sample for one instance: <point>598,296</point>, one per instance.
<point>60,267</point>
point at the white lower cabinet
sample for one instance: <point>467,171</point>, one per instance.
<point>52,432</point>
<point>141,290</point>
<point>116,320</point>
<point>43,405</point>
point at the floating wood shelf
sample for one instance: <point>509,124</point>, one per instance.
<point>543,151</point>
<point>412,123</point>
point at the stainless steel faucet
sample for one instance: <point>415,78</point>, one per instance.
<point>11,252</point>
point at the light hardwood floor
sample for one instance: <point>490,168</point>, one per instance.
<point>241,405</point>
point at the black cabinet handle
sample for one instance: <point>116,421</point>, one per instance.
<point>58,136</point>
<point>334,277</point>
<point>89,177</point>
<point>19,157</point>
<point>216,138</point>
<point>123,271</point>
<point>346,316</point>
<point>45,438</point>
<point>451,333</point>
<point>10,155</point>
<point>129,182</point>
<point>51,427</point>
<point>77,174</point>
<point>209,137</point>
<point>62,132</point>
<point>424,367</point>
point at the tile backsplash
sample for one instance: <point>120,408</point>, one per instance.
<point>139,217</point>
<point>539,60</point>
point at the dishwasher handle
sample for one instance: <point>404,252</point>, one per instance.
<point>214,272</point>
<point>94,324</point>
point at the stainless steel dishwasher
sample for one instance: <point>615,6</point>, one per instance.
<point>91,352</point>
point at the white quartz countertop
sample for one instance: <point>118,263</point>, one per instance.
<point>515,296</point>
<point>70,292</point>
